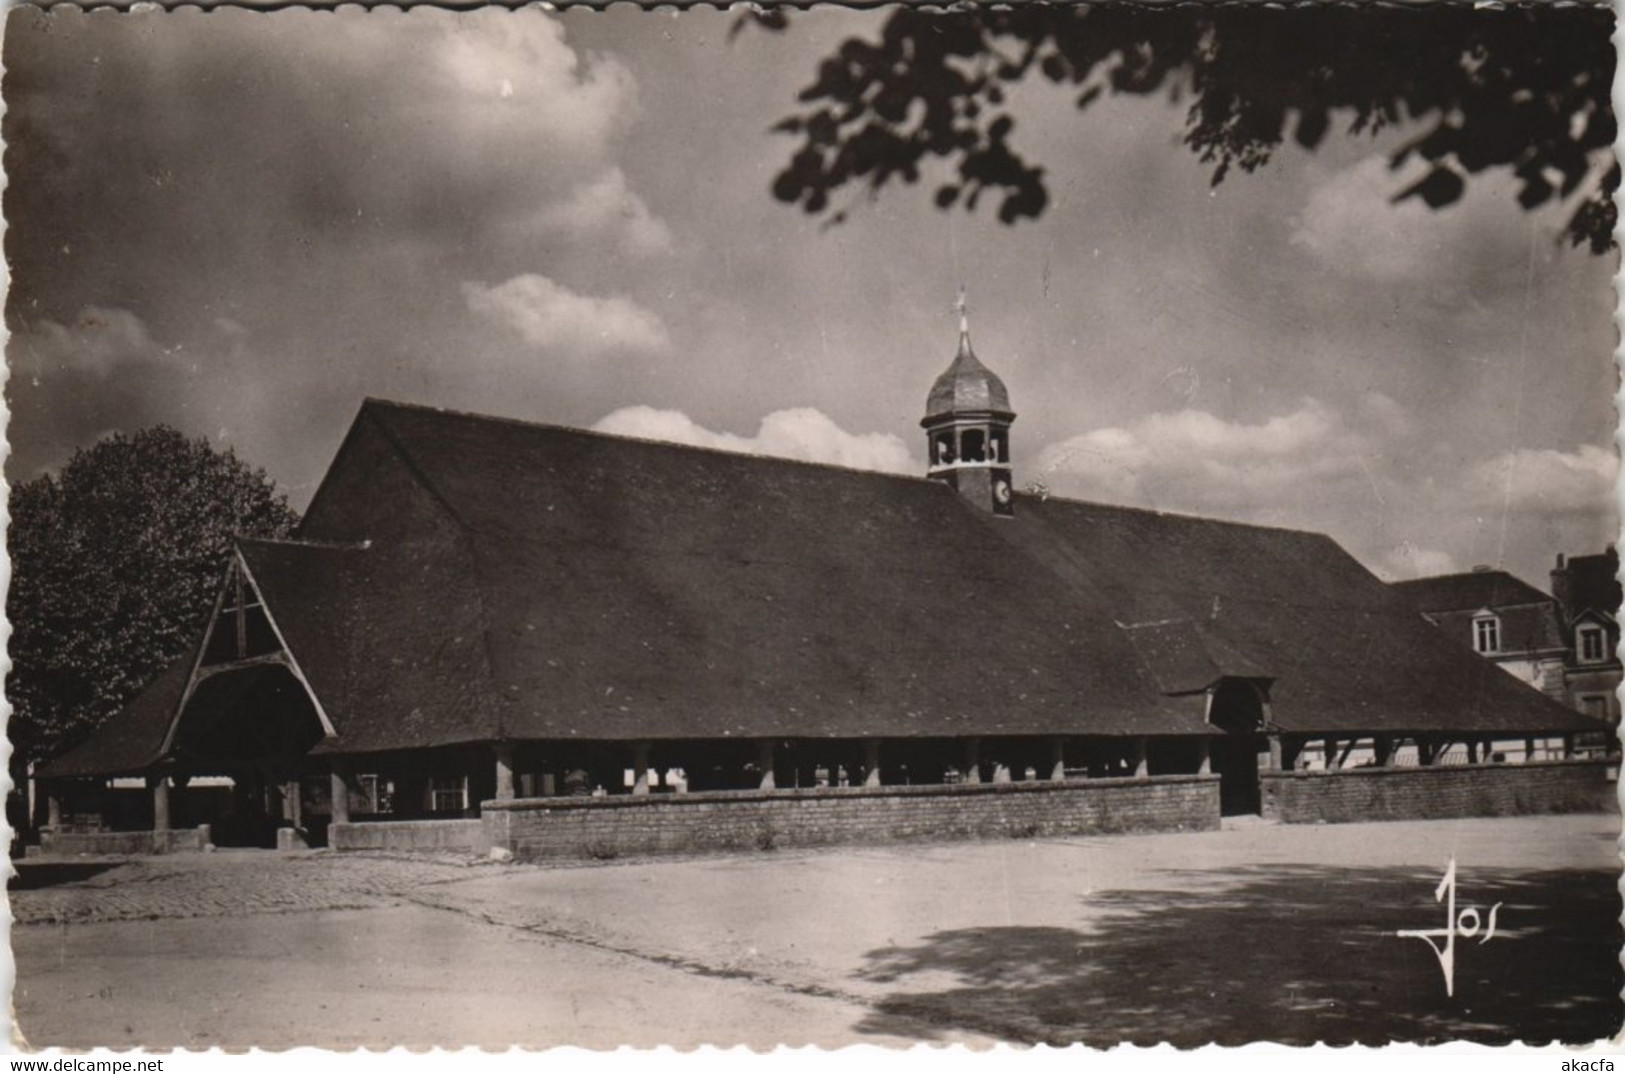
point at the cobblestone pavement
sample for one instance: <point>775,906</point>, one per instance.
<point>226,884</point>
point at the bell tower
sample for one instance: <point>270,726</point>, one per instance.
<point>967,428</point>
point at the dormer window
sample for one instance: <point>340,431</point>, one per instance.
<point>1592,641</point>
<point>1487,634</point>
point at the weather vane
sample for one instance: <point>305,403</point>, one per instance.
<point>962,307</point>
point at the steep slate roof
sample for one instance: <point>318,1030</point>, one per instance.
<point>391,640</point>
<point>133,738</point>
<point>579,585</point>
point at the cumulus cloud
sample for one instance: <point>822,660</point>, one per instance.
<point>1353,226</point>
<point>1195,460</point>
<point>1545,481</point>
<point>97,341</point>
<point>608,207</point>
<point>550,316</point>
<point>799,433</point>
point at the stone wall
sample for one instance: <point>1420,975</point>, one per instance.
<point>408,835</point>
<point>1482,790</point>
<point>627,825</point>
<point>123,844</point>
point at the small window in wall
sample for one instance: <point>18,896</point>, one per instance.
<point>1593,644</point>
<point>1487,634</point>
<point>447,794</point>
<point>1595,706</point>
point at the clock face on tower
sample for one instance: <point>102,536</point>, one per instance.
<point>1003,494</point>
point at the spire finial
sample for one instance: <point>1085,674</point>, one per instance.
<point>964,312</point>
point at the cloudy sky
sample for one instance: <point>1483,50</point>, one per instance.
<point>241,224</point>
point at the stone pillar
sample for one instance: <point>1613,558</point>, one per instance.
<point>1057,759</point>
<point>871,762</point>
<point>1142,764</point>
<point>504,788</point>
<point>764,761</point>
<point>53,810</point>
<point>1277,755</point>
<point>160,802</point>
<point>339,781</point>
<point>973,760</point>
<point>640,768</point>
<point>1001,772</point>
<point>1204,754</point>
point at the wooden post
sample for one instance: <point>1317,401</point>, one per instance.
<point>1330,746</point>
<point>1528,749</point>
<point>1383,747</point>
<point>764,761</point>
<point>871,762</point>
<point>973,760</point>
<point>1472,751</point>
<point>1057,759</point>
<point>640,768</point>
<point>1204,755</point>
<point>1142,764</point>
<point>504,788</point>
<point>160,802</point>
<point>339,784</point>
<point>292,807</point>
<point>1277,757</point>
<point>1568,747</point>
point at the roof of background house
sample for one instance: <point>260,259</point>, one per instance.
<point>533,582</point>
<point>1469,591</point>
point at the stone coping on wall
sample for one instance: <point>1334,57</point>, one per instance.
<point>446,834</point>
<point>920,790</point>
<point>123,844</point>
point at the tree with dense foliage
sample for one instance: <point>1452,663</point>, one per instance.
<point>1524,87</point>
<point>115,565</point>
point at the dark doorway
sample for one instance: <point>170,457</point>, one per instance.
<point>1235,759</point>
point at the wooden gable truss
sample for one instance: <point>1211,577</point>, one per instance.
<point>241,634</point>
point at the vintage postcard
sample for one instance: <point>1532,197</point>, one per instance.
<point>1070,524</point>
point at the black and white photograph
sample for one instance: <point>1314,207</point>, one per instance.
<point>1069,524</point>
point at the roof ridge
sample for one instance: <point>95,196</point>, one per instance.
<point>526,423</point>
<point>1181,515</point>
<point>918,479</point>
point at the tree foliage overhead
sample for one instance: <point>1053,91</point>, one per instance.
<point>1523,88</point>
<point>115,565</point>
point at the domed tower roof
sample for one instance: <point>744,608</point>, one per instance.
<point>967,386</point>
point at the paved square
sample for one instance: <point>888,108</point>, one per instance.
<point>1227,936</point>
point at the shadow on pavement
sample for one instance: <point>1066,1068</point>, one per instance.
<point>31,877</point>
<point>1289,954</point>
